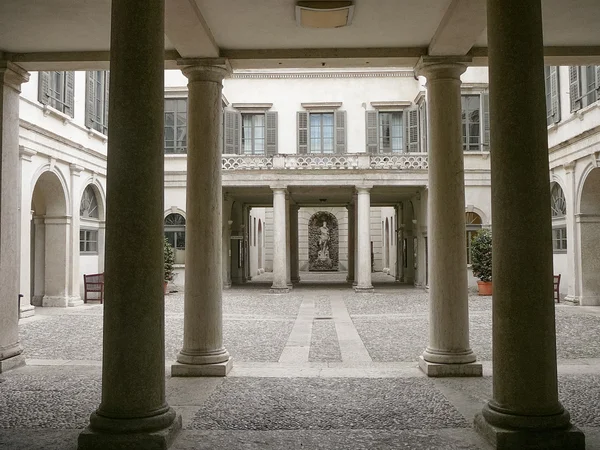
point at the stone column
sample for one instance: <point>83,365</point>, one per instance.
<point>525,411</point>
<point>279,242</point>
<point>398,240</point>
<point>573,242</point>
<point>74,282</point>
<point>203,353</point>
<point>27,308</point>
<point>226,244</point>
<point>363,275</point>
<point>246,276</point>
<point>133,412</point>
<point>57,256</point>
<point>448,352</point>
<point>294,250</point>
<point>11,77</point>
<point>351,208</point>
<point>288,240</point>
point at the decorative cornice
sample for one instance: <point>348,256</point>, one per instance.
<point>321,105</point>
<point>391,105</point>
<point>252,106</point>
<point>26,153</point>
<point>305,75</point>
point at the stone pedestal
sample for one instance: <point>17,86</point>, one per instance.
<point>448,352</point>
<point>363,275</point>
<point>133,412</point>
<point>203,353</point>
<point>525,411</point>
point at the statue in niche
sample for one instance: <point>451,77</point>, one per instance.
<point>324,242</point>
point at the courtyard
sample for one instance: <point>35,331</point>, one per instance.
<point>321,367</point>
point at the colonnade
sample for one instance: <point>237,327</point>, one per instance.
<point>133,411</point>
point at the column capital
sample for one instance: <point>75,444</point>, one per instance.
<point>364,189</point>
<point>439,67</point>
<point>279,189</point>
<point>13,75</point>
<point>205,69</point>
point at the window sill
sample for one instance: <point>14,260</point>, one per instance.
<point>49,110</point>
<point>583,111</point>
<point>559,252</point>
<point>88,253</point>
<point>175,155</point>
<point>96,134</point>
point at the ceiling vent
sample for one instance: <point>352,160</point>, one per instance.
<point>324,14</point>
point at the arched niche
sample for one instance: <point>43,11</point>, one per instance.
<point>323,242</point>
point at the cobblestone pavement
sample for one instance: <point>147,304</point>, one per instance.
<point>320,367</point>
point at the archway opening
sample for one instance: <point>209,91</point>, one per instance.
<point>589,226</point>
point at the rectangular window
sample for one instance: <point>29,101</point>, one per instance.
<point>88,241</point>
<point>471,122</point>
<point>253,134</point>
<point>321,133</point>
<point>175,125</point>
<point>470,235</point>
<point>56,90</point>
<point>97,101</point>
<point>559,239</point>
<point>390,132</point>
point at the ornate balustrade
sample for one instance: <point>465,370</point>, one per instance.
<point>414,161</point>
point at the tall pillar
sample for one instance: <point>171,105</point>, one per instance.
<point>226,244</point>
<point>573,245</point>
<point>351,208</point>
<point>363,275</point>
<point>525,411</point>
<point>246,276</point>
<point>294,250</point>
<point>27,309</point>
<point>73,282</point>
<point>398,240</point>
<point>133,412</point>
<point>11,77</point>
<point>448,352</point>
<point>288,240</point>
<point>57,255</point>
<point>203,353</point>
<point>279,242</point>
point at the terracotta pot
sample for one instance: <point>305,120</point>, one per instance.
<point>485,287</point>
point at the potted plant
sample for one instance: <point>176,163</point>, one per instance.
<point>481,259</point>
<point>169,260</point>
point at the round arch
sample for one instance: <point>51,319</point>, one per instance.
<point>589,228</point>
<point>57,199</point>
<point>100,195</point>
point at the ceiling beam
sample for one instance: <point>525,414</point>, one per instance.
<point>460,27</point>
<point>187,30</point>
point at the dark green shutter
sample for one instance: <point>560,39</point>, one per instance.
<point>372,122</point>
<point>70,93</point>
<point>106,94</point>
<point>423,125</point>
<point>271,130</point>
<point>302,132</point>
<point>485,106</point>
<point>231,145</point>
<point>412,130</point>
<point>44,87</point>
<point>90,98</point>
<point>574,88</point>
<point>554,94</point>
<point>340,131</point>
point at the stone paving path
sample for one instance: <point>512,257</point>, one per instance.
<point>320,367</point>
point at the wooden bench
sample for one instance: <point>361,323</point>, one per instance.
<point>557,288</point>
<point>93,284</point>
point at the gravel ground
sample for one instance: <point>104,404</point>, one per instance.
<point>580,395</point>
<point>324,404</point>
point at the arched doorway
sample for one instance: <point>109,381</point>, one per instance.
<point>589,226</point>
<point>175,234</point>
<point>49,242</point>
<point>323,242</point>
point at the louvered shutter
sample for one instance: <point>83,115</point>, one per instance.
<point>423,126</point>
<point>340,131</point>
<point>485,106</point>
<point>554,95</point>
<point>597,82</point>
<point>412,130</point>
<point>302,132</point>
<point>574,88</point>
<point>372,122</point>
<point>44,87</point>
<point>271,122</point>
<point>231,135</point>
<point>70,93</point>
<point>90,99</point>
<point>106,95</point>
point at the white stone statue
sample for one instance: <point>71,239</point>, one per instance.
<point>324,242</point>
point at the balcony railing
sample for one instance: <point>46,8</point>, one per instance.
<point>408,161</point>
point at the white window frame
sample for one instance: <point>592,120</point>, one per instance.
<point>88,236</point>
<point>176,149</point>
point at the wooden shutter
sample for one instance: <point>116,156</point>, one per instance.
<point>485,106</point>
<point>106,95</point>
<point>231,135</point>
<point>372,132</point>
<point>70,93</point>
<point>340,131</point>
<point>423,126</point>
<point>554,94</point>
<point>90,99</point>
<point>574,88</point>
<point>302,132</point>
<point>44,87</point>
<point>271,130</point>
<point>412,130</point>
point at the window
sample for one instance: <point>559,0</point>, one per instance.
<point>584,83</point>
<point>175,230</point>
<point>552,95</point>
<point>471,123</point>
<point>253,134</point>
<point>56,90</point>
<point>175,125</point>
<point>96,101</point>
<point>88,208</point>
<point>559,212</point>
<point>321,132</point>
<point>390,132</point>
<point>88,241</point>
<point>473,222</point>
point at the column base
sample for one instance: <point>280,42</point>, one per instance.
<point>26,311</point>
<point>350,280</point>
<point>12,363</point>
<point>90,439</point>
<point>201,370</point>
<point>572,299</point>
<point>570,438</point>
<point>279,290</point>
<point>364,289</point>
<point>227,286</point>
<point>55,301</point>
<point>295,280</point>
<point>75,301</point>
<point>437,370</point>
